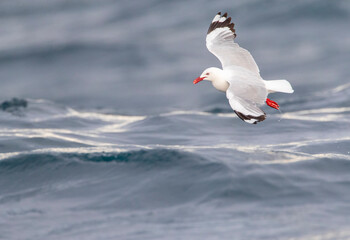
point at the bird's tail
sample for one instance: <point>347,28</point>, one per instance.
<point>278,86</point>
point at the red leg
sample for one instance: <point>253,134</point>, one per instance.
<point>272,104</point>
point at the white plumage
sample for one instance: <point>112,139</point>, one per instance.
<point>240,76</point>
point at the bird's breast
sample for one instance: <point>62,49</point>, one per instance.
<point>221,85</point>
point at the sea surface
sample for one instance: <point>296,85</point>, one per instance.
<point>104,136</point>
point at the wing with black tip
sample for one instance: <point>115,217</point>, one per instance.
<point>220,42</point>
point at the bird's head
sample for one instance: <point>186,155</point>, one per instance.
<point>208,74</point>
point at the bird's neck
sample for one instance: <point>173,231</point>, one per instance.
<point>219,80</point>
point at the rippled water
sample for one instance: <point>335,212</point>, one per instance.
<point>109,139</point>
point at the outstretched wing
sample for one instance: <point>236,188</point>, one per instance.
<point>246,92</point>
<point>220,42</point>
<point>245,109</point>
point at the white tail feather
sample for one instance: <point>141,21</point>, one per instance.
<point>278,86</point>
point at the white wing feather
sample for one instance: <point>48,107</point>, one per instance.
<point>245,93</point>
<point>220,42</point>
<point>246,110</point>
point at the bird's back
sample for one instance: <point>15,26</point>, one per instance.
<point>246,84</point>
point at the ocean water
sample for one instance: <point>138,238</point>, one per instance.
<point>104,136</point>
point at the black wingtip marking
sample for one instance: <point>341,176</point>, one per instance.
<point>226,23</point>
<point>250,117</point>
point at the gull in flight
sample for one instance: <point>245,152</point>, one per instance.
<point>240,76</point>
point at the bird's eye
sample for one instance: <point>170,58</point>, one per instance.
<point>207,74</point>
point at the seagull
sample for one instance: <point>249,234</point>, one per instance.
<point>240,76</point>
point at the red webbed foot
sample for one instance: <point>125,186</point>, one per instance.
<point>272,104</point>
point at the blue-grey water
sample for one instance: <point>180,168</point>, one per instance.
<point>104,136</point>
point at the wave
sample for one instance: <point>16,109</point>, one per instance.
<point>164,160</point>
<point>14,105</point>
<point>153,157</point>
<point>164,177</point>
<point>171,176</point>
